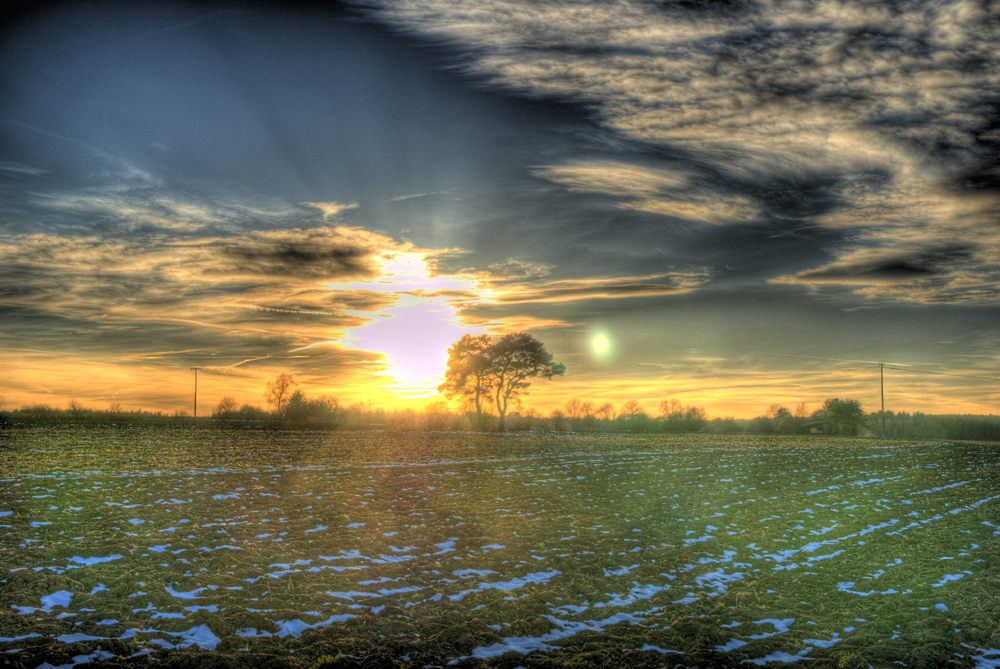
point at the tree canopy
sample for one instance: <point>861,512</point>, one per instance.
<point>843,416</point>
<point>468,373</point>
<point>498,372</point>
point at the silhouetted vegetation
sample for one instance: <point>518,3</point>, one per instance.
<point>835,417</point>
<point>496,373</point>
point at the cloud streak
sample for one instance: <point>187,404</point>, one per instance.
<point>834,114</point>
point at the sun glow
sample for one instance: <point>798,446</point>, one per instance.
<point>415,331</point>
<point>600,346</point>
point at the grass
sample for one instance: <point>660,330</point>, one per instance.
<point>424,549</point>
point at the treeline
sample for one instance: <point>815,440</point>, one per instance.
<point>918,425</point>
<point>289,407</point>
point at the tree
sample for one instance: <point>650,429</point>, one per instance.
<point>226,405</point>
<point>606,411</point>
<point>277,394</point>
<point>574,408</point>
<point>514,359</point>
<point>74,406</point>
<point>631,410</point>
<point>116,407</point>
<point>468,373</point>
<point>695,417</point>
<point>670,407</point>
<point>776,411</point>
<point>842,416</point>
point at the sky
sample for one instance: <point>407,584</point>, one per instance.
<point>730,203</point>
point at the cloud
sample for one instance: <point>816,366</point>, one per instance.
<point>124,211</point>
<point>18,170</point>
<point>833,114</point>
<point>332,209</point>
<point>947,273</point>
<point>207,277</point>
<point>319,253</point>
<point>519,269</point>
<point>573,290</point>
<point>651,189</point>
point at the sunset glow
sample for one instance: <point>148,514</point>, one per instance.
<point>414,331</point>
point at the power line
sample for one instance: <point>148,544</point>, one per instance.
<point>887,365</point>
<point>964,376</point>
<point>816,357</point>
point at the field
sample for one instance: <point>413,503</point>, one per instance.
<point>196,548</point>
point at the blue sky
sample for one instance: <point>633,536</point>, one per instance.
<point>753,201</point>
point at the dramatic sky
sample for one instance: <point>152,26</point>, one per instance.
<point>751,201</point>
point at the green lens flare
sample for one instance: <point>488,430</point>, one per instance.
<point>601,345</point>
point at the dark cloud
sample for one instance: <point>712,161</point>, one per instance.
<point>302,260</point>
<point>904,268</point>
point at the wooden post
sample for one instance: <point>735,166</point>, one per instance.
<point>196,390</point>
<point>881,378</point>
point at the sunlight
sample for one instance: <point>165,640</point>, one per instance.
<point>416,330</point>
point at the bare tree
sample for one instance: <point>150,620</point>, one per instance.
<point>116,407</point>
<point>694,413</point>
<point>574,408</point>
<point>670,407</point>
<point>631,410</point>
<point>606,411</point>
<point>278,392</point>
<point>777,411</point>
<point>74,406</point>
<point>226,405</point>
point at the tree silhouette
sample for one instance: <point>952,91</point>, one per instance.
<point>496,373</point>
<point>226,405</point>
<point>607,411</point>
<point>843,416</point>
<point>278,392</point>
<point>631,410</point>
<point>574,408</point>
<point>514,359</point>
<point>468,373</point>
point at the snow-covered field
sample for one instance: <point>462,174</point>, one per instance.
<point>448,547</point>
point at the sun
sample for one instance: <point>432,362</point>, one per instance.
<point>415,330</point>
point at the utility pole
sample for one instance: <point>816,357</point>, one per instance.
<point>881,379</point>
<point>196,390</point>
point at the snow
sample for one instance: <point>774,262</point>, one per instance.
<point>94,560</point>
<point>59,598</point>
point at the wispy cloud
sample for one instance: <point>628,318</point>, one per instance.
<point>17,169</point>
<point>573,290</point>
<point>332,209</point>
<point>830,114</point>
<point>651,189</point>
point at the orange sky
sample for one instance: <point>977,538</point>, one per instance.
<point>383,337</point>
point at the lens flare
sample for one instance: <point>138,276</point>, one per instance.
<point>600,344</point>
